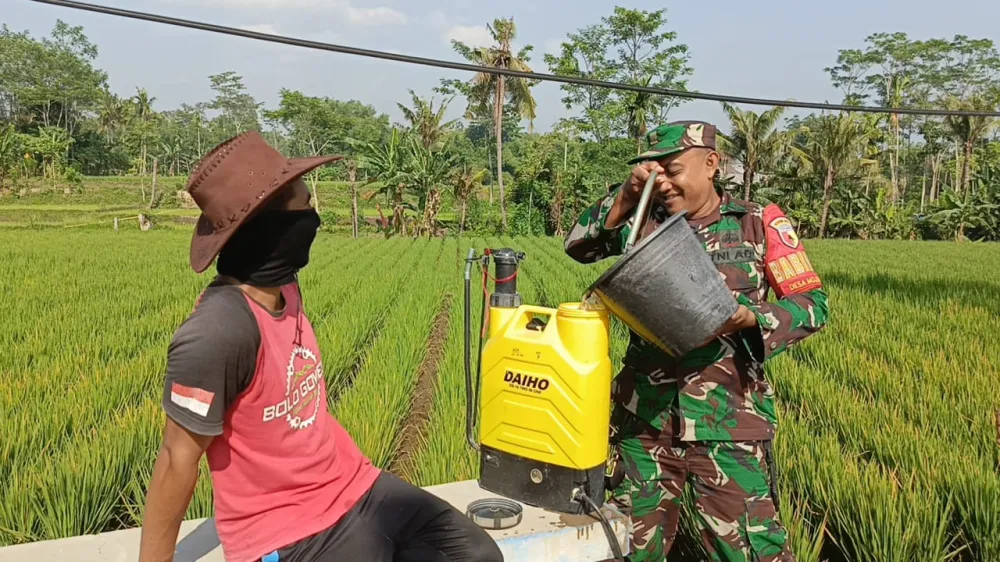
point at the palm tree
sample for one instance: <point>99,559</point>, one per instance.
<point>111,115</point>
<point>496,91</point>
<point>171,150</point>
<point>834,147</point>
<point>967,130</point>
<point>427,123</point>
<point>143,107</point>
<point>352,177</point>
<point>755,141</point>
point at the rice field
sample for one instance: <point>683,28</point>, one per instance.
<point>887,446</point>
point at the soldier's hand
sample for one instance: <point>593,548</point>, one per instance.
<point>637,181</point>
<point>743,318</point>
<point>631,192</point>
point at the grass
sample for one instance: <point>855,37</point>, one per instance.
<point>887,443</point>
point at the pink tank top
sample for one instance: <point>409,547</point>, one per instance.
<point>283,468</point>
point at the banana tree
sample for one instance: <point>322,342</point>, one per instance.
<point>171,151</point>
<point>10,151</point>
<point>846,213</point>
<point>426,122</point>
<point>384,165</point>
<point>974,211</point>
<point>425,171</point>
<point>465,184</point>
<point>52,144</point>
<point>889,219</point>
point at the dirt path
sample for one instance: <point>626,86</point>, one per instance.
<point>415,424</point>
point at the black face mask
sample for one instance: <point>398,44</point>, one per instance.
<point>270,249</point>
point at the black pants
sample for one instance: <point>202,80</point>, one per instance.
<point>398,522</point>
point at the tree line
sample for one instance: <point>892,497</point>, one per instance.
<point>851,175</point>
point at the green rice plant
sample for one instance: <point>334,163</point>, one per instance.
<point>79,493</point>
<point>805,539</point>
<point>977,499</point>
<point>443,455</point>
<point>886,445</point>
<point>888,442</point>
<point>18,518</point>
<point>344,333</point>
<point>373,408</point>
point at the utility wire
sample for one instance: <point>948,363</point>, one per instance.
<point>502,71</point>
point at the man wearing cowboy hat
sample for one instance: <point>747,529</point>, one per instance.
<point>704,421</point>
<point>245,386</point>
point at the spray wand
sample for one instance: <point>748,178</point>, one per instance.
<point>589,300</point>
<point>471,395</point>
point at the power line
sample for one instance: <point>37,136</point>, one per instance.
<point>501,71</point>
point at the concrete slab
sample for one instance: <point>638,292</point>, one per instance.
<point>544,535</point>
<point>197,542</point>
<point>541,536</point>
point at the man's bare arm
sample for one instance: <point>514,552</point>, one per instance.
<point>171,486</point>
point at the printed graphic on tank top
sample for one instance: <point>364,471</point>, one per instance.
<point>283,468</point>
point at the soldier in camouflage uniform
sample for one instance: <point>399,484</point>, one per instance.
<point>707,418</point>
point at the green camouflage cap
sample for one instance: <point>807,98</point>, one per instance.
<point>677,136</point>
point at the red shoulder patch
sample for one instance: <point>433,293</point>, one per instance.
<point>788,268</point>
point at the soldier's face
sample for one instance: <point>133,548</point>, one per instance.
<point>689,181</point>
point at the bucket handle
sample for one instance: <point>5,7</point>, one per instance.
<point>640,212</point>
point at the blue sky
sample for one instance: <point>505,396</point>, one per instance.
<point>771,49</point>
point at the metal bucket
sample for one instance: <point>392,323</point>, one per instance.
<point>667,290</point>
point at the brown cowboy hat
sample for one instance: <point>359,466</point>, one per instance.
<point>232,182</point>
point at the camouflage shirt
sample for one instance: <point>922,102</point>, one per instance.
<point>717,392</point>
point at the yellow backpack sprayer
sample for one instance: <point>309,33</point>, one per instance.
<point>543,384</point>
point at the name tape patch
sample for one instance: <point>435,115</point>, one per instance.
<point>726,256</point>
<point>794,272</point>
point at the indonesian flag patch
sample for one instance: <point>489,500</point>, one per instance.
<point>193,399</point>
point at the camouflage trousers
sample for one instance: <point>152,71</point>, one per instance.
<point>730,486</point>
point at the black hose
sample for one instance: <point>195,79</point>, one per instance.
<point>608,531</point>
<point>470,402</point>
<point>482,322</point>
